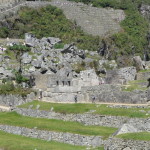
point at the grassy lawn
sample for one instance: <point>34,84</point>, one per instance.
<point>144,136</point>
<point>15,119</point>
<point>83,108</point>
<point>16,142</point>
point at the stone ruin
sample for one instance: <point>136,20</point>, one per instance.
<point>56,79</point>
<point>64,88</point>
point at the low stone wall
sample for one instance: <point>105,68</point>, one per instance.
<point>103,93</point>
<point>114,94</point>
<point>121,144</point>
<point>143,76</point>
<point>69,138</point>
<point>15,100</point>
<point>87,119</point>
<point>76,139</point>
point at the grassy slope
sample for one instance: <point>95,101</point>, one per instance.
<point>16,142</point>
<point>54,125</point>
<point>144,136</point>
<point>82,108</point>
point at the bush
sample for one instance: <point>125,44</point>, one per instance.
<point>22,48</point>
<point>6,88</point>
<point>59,46</point>
<point>9,88</point>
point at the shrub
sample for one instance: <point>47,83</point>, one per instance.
<point>59,46</point>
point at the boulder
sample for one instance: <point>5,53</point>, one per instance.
<point>126,128</point>
<point>139,63</point>
<point>26,59</point>
<point>53,40</point>
<point>36,63</point>
<point>30,39</point>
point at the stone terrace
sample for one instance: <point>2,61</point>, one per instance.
<point>95,21</point>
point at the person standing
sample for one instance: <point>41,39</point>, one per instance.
<point>75,99</point>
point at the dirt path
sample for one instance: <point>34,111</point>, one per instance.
<point>115,104</point>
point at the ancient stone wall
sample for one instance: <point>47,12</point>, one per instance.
<point>15,100</point>
<point>143,76</point>
<point>121,76</point>
<point>95,21</point>
<point>122,144</point>
<point>76,139</point>
<point>87,119</point>
<point>103,93</point>
<point>69,138</point>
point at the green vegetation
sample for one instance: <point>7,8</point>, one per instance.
<point>134,85</point>
<point>79,67</point>
<point>59,46</point>
<point>54,125</point>
<point>146,70</point>
<point>48,22</point>
<point>144,136</point>
<point>83,108</point>
<point>133,38</point>
<point>19,48</point>
<point>16,142</point>
<point>9,88</point>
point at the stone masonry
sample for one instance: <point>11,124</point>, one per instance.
<point>75,139</point>
<point>95,21</point>
<point>88,118</point>
<point>69,138</point>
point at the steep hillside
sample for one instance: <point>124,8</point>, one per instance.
<point>133,39</point>
<point>50,21</point>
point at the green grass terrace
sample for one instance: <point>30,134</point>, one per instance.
<point>17,142</point>
<point>84,108</point>
<point>14,119</point>
<point>143,136</point>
